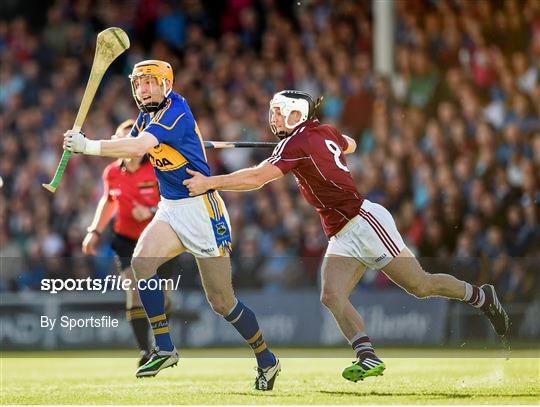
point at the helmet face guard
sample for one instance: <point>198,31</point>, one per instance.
<point>157,91</point>
<point>289,101</point>
<point>149,70</point>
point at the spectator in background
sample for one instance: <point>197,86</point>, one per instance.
<point>423,82</point>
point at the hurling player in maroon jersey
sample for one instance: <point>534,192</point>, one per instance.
<point>131,196</point>
<point>361,233</point>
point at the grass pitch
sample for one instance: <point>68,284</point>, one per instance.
<point>222,377</point>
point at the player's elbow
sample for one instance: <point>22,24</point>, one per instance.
<point>137,150</point>
<point>133,155</point>
<point>138,154</point>
<point>257,182</point>
<point>263,174</point>
<point>139,146</point>
<point>251,185</point>
<point>259,179</point>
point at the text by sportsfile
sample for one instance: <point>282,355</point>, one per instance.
<point>105,321</point>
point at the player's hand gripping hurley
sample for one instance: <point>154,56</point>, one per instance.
<point>110,44</point>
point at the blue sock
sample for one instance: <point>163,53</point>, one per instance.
<point>245,322</point>
<point>153,302</point>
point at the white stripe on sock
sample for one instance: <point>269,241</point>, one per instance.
<point>364,346</point>
<point>481,298</point>
<point>238,317</point>
<point>232,309</point>
<point>468,292</point>
<point>357,336</point>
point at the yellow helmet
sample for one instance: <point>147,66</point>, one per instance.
<point>161,70</point>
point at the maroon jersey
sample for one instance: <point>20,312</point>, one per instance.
<point>314,154</point>
<point>125,188</point>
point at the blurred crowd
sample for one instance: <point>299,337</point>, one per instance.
<point>450,143</point>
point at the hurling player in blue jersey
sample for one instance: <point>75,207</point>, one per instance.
<point>166,130</point>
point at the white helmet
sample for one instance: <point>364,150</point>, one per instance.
<point>289,101</point>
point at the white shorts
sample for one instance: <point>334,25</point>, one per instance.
<point>370,237</point>
<point>201,223</point>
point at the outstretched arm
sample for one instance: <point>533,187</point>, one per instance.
<point>129,146</point>
<point>246,179</point>
<point>124,147</point>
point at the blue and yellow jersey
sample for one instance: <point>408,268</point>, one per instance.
<point>180,145</point>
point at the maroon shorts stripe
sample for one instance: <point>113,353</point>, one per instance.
<point>383,230</point>
<point>381,233</point>
<point>381,237</point>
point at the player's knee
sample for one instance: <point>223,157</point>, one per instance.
<point>218,304</point>
<point>331,299</point>
<point>421,289</point>
<point>142,267</point>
